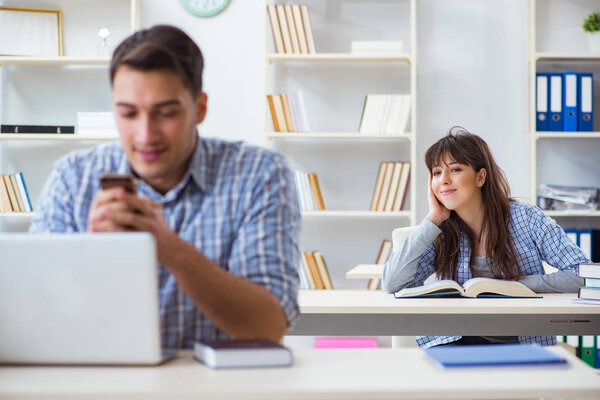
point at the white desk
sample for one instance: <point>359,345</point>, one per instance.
<point>363,312</point>
<point>316,374</point>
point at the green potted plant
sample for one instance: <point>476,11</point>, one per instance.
<point>591,26</point>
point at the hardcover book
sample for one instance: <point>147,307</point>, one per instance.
<point>474,287</point>
<point>241,353</point>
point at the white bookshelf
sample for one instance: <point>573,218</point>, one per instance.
<point>557,44</point>
<point>51,90</point>
<point>334,83</point>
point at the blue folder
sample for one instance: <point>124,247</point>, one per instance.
<point>541,102</point>
<point>555,99</point>
<point>569,99</point>
<point>494,355</point>
<point>585,100</point>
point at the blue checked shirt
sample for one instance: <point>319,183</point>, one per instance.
<point>535,236</point>
<point>237,204</point>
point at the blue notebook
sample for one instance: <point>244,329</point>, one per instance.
<point>494,355</point>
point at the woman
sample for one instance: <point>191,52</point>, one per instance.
<point>475,229</point>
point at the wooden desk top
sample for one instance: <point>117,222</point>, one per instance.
<point>316,374</point>
<point>354,301</point>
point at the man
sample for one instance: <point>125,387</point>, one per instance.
<point>224,215</point>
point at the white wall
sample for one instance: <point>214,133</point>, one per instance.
<point>471,72</point>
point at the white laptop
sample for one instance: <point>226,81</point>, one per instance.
<point>79,299</point>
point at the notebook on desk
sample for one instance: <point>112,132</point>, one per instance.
<point>79,299</point>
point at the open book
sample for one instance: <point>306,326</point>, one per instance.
<point>474,287</point>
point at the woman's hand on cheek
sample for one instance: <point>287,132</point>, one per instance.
<point>437,212</point>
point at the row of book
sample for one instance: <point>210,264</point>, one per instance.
<point>384,253</point>
<point>562,197</point>
<point>590,292</point>
<point>385,114</point>
<point>309,191</point>
<point>313,271</point>
<point>13,194</point>
<point>564,101</point>
<point>587,348</point>
<point>292,31</point>
<point>288,112</point>
<point>391,186</point>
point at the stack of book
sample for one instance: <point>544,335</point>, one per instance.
<point>313,271</point>
<point>309,191</point>
<point>391,186</point>
<point>288,112</point>
<point>591,277</point>
<point>385,114</point>
<point>13,194</point>
<point>96,124</point>
<point>292,32</point>
<point>560,197</point>
<point>384,253</point>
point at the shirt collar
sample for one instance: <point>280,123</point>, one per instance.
<point>198,170</point>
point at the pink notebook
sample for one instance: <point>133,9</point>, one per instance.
<point>345,342</point>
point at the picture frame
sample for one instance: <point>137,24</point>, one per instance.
<point>26,31</point>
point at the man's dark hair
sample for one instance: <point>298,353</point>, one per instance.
<point>161,47</point>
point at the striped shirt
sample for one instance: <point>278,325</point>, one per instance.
<point>536,238</point>
<point>237,204</point>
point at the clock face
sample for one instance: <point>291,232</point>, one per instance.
<point>204,8</point>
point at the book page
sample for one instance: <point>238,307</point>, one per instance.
<point>484,287</point>
<point>445,287</point>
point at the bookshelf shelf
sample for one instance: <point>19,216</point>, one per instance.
<point>357,214</point>
<point>56,137</point>
<point>572,214</point>
<point>327,91</point>
<point>13,60</point>
<point>569,160</point>
<point>50,91</point>
<point>566,57</point>
<point>332,135</point>
<point>17,215</point>
<point>340,58</point>
<point>566,135</point>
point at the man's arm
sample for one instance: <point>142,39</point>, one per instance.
<point>265,251</point>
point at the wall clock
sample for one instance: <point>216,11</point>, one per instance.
<point>204,8</point>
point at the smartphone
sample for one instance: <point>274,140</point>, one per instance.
<point>126,181</point>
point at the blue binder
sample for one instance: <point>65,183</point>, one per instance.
<point>555,99</point>
<point>569,100</point>
<point>585,99</point>
<point>541,102</point>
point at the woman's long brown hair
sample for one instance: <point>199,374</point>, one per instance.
<point>466,148</point>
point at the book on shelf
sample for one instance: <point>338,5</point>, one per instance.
<point>275,29</point>
<point>302,42</point>
<point>13,194</point>
<point>588,240</point>
<point>288,112</point>
<point>309,191</point>
<point>285,30</point>
<point>474,287</point>
<point>384,253</point>
<point>242,353</point>
<point>385,114</point>
<point>37,129</point>
<point>376,46</point>
<point>101,123</point>
<point>531,354</point>
<point>292,27</point>
<point>310,40</point>
<point>391,186</point>
<point>314,268</point>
